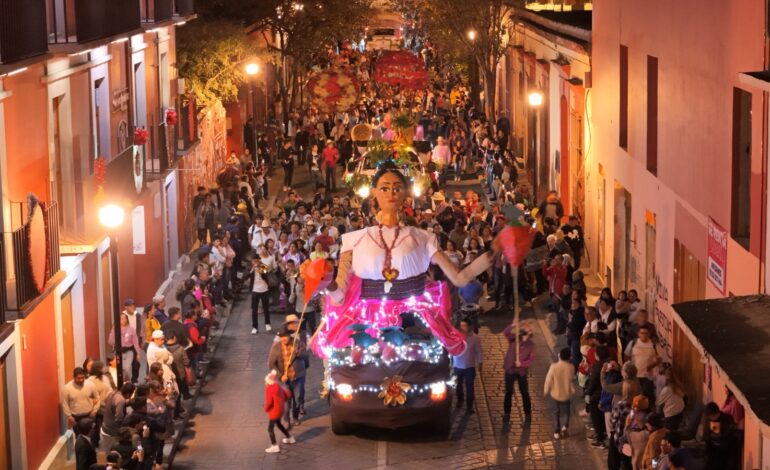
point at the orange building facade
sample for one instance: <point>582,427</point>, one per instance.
<point>73,90</point>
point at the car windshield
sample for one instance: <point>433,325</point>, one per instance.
<point>384,32</point>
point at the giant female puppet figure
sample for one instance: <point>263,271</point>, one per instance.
<point>382,275</point>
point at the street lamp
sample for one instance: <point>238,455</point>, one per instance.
<point>473,72</point>
<point>111,217</point>
<point>535,99</point>
<point>252,69</point>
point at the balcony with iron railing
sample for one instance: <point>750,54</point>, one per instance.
<point>184,7</point>
<point>156,11</point>
<point>559,5</point>
<point>22,30</point>
<point>83,21</point>
<point>33,247</point>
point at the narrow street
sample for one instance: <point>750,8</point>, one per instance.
<point>234,397</point>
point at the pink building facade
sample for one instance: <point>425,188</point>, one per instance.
<point>677,158</point>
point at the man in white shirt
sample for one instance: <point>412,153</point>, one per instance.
<point>157,344</point>
<point>643,352</point>
<point>260,235</point>
<point>328,222</point>
<point>260,290</point>
<point>134,319</point>
<point>607,315</point>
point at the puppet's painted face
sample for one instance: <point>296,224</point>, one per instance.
<point>390,192</point>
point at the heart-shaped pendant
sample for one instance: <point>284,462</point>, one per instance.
<point>390,274</point>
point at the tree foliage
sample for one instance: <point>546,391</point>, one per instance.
<point>299,33</point>
<point>447,23</point>
<point>211,56</point>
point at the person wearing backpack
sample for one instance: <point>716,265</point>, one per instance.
<point>644,353</point>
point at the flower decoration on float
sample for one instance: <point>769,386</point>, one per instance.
<point>393,391</point>
<point>436,389</point>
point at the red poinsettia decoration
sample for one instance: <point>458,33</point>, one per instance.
<point>401,68</point>
<point>140,136</point>
<point>171,117</point>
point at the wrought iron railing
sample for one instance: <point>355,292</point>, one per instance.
<point>184,7</point>
<point>22,29</point>
<point>23,281</point>
<point>156,11</point>
<point>187,127</point>
<point>166,156</point>
<point>79,21</point>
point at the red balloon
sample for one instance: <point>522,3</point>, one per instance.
<point>516,242</point>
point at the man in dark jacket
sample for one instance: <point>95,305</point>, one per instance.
<point>719,434</point>
<point>115,414</point>
<point>85,454</point>
<point>174,327</point>
<point>593,391</point>
<point>573,235</point>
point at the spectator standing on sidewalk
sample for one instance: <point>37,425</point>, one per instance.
<point>593,391</point>
<point>517,368</point>
<point>560,387</point>
<point>573,235</point>
<point>645,354</point>
<point>466,364</point>
<point>157,344</point>
<point>115,414</point>
<point>103,384</point>
<point>79,399</point>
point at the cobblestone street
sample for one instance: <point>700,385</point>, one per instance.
<point>229,429</point>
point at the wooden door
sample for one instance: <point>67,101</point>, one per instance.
<point>5,434</point>
<point>68,334</point>
<point>687,366</point>
<point>689,275</point>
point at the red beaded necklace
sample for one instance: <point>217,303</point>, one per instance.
<point>388,272</point>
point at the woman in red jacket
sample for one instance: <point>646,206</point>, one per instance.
<point>275,400</point>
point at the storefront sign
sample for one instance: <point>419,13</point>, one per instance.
<point>120,98</point>
<point>717,256</point>
<point>137,224</point>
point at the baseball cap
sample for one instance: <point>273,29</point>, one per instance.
<point>158,334</point>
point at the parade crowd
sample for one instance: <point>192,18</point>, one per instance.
<point>634,405</point>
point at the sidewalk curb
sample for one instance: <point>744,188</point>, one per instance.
<point>179,434</point>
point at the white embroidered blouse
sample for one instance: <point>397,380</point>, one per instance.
<point>411,253</point>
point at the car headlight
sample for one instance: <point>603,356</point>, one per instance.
<point>438,391</point>
<point>344,392</point>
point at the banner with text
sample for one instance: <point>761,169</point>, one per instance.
<point>717,256</point>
